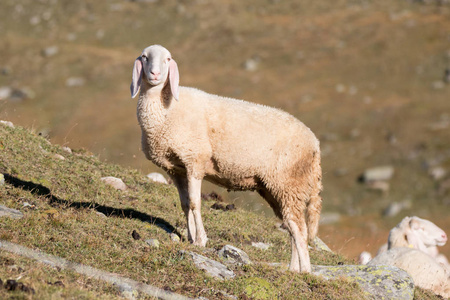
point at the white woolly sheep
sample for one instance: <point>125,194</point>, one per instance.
<point>239,145</point>
<point>414,232</point>
<point>408,246</point>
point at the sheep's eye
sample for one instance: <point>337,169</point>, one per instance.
<point>144,58</point>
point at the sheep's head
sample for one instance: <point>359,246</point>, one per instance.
<point>428,232</point>
<point>154,66</point>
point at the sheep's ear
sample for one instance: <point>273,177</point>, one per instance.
<point>174,78</point>
<point>137,77</point>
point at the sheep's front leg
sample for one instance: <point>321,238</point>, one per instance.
<point>194,188</point>
<point>181,183</point>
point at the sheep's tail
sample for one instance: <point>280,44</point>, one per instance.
<point>314,206</point>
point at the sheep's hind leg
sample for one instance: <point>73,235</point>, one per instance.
<point>299,238</point>
<point>195,207</point>
<point>182,185</point>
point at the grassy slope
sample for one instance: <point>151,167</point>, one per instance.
<point>385,54</point>
<point>66,196</point>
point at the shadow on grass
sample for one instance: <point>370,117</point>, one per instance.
<point>130,213</point>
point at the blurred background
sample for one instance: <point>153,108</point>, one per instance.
<point>370,78</point>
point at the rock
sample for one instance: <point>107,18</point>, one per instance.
<point>102,215</point>
<point>211,267</point>
<point>252,64</point>
<point>174,237</point>
<point>328,218</point>
<point>2,179</point>
<point>116,183</point>
<point>157,177</point>
<point>378,282</point>
<point>58,156</point>
<point>75,81</point>
<point>50,51</point>
<point>234,256</point>
<point>364,258</point>
<point>437,173</point>
<point>437,85</point>
<point>262,246</point>
<point>395,208</point>
<point>5,92</point>
<point>67,149</point>
<point>7,123</point>
<point>382,173</point>
<point>381,186</point>
<point>154,243</point>
<point>319,244</point>
<point>9,212</point>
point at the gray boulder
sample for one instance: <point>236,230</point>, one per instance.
<point>9,212</point>
<point>211,267</point>
<point>378,282</point>
<point>234,256</point>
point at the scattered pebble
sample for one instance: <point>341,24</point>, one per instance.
<point>381,173</point>
<point>437,173</point>
<point>75,81</point>
<point>10,212</point>
<point>252,64</point>
<point>157,177</point>
<point>5,92</point>
<point>174,237</point>
<point>2,179</point>
<point>50,51</point>
<point>7,123</point>
<point>67,149</point>
<point>59,156</point>
<point>154,243</point>
<point>116,183</point>
<point>234,256</point>
<point>262,246</point>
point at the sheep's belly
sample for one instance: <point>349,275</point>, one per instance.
<point>234,183</point>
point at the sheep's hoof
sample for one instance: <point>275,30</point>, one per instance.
<point>200,242</point>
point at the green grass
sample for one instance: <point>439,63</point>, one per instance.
<point>66,198</point>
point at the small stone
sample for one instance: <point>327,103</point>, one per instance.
<point>59,156</point>
<point>50,51</point>
<point>7,123</point>
<point>174,237</point>
<point>381,173</point>
<point>116,183</point>
<point>327,218</point>
<point>234,256</point>
<point>102,215</point>
<point>340,88</point>
<point>381,186</point>
<point>437,173</point>
<point>5,92</point>
<point>396,207</point>
<point>252,64</point>
<point>438,85</point>
<point>67,149</point>
<point>157,177</point>
<point>75,81</point>
<point>154,243</point>
<point>35,20</point>
<point>2,179</point>
<point>262,246</point>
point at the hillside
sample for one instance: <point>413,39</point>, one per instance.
<point>366,76</point>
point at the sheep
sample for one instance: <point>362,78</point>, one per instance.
<point>416,233</point>
<point>408,244</point>
<point>239,145</point>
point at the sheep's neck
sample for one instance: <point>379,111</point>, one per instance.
<point>151,111</point>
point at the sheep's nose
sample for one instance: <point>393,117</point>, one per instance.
<point>155,73</point>
<point>444,236</point>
